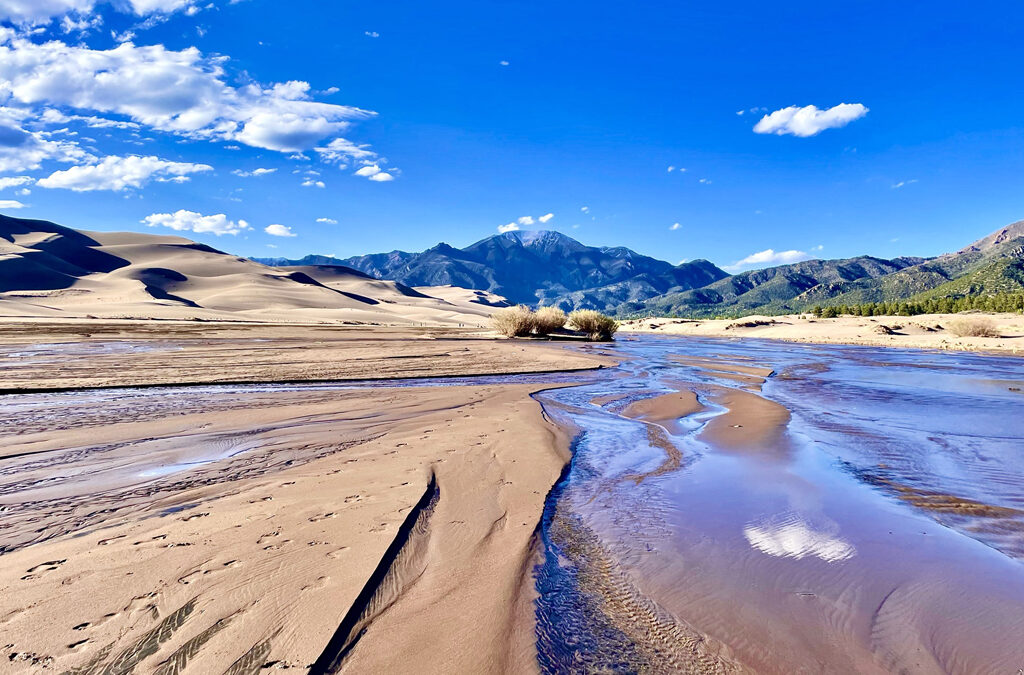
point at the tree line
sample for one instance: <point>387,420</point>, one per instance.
<point>998,302</point>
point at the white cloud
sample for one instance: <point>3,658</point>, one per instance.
<point>190,221</point>
<point>254,172</point>
<point>373,172</point>
<point>328,221</point>
<point>22,150</point>
<point>52,116</point>
<point>704,181</point>
<point>277,230</point>
<point>671,169</point>
<point>309,182</point>
<point>675,226</point>
<point>14,181</point>
<point>525,220</point>
<point>371,33</point>
<point>120,173</point>
<point>502,63</point>
<point>510,227</point>
<point>34,12</point>
<point>585,209</point>
<point>341,150</point>
<point>769,257</point>
<point>896,186</point>
<point>809,120</point>
<point>546,217</point>
<point>11,204</point>
<point>180,92</point>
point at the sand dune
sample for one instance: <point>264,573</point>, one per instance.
<point>47,270</point>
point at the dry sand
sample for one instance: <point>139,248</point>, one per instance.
<point>931,331</point>
<point>47,270</point>
<point>229,532</point>
<point>47,354</point>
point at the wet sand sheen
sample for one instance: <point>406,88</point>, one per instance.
<point>760,544</point>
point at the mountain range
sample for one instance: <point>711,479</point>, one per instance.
<point>550,268</point>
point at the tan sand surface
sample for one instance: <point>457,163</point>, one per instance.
<point>50,354</point>
<point>54,271</point>
<point>924,332</point>
<point>257,558</point>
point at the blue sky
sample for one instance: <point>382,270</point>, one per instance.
<point>443,122</point>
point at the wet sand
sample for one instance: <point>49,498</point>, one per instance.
<point>779,544</point>
<point>235,528</point>
<point>48,355</point>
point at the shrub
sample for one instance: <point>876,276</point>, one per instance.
<point>549,319</point>
<point>597,326</point>
<point>973,328</point>
<point>518,321</point>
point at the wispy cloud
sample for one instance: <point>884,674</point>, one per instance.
<point>902,183</point>
<point>675,226</point>
<point>327,221</point>
<point>254,172</point>
<point>11,204</point>
<point>768,257</point>
<point>809,120</point>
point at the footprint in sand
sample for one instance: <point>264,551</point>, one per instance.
<point>39,570</point>
<point>337,553</point>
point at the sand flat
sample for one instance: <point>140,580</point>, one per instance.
<point>261,555</point>
<point>48,355</point>
<point>932,331</point>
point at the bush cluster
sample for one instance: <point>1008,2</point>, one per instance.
<point>596,325</point>
<point>521,321</point>
<point>978,327</point>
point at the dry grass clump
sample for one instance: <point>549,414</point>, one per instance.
<point>518,321</point>
<point>596,325</point>
<point>549,319</point>
<point>973,327</point>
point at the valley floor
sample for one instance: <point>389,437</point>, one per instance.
<point>223,528</point>
<point>930,331</point>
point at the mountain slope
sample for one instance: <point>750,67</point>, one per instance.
<point>993,264</point>
<point>773,289</point>
<point>537,267</point>
<point>50,270</point>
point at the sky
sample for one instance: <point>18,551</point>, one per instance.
<point>749,134</point>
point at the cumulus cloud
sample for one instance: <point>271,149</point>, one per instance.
<point>309,182</point>
<point>510,227</point>
<point>22,150</point>
<point>371,33</point>
<point>502,63</point>
<point>809,120</point>
<point>254,172</point>
<point>14,181</point>
<point>11,204</point>
<point>180,92</point>
<point>769,257</point>
<point>191,221</point>
<point>327,221</point>
<point>546,217</point>
<point>525,220</point>
<point>585,209</point>
<point>34,12</point>
<point>277,230</point>
<point>675,226</point>
<point>374,172</point>
<point>120,173</point>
